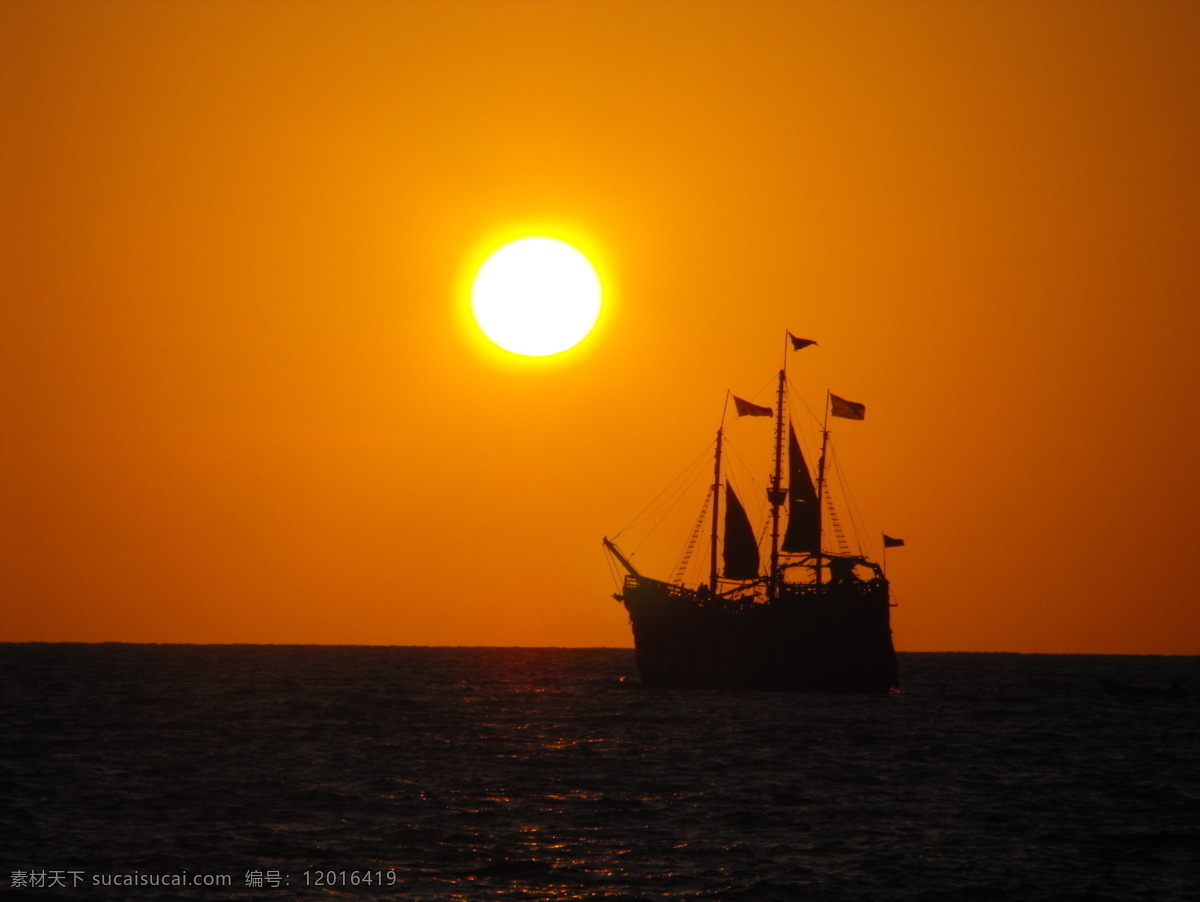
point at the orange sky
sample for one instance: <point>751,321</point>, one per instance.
<point>241,402</point>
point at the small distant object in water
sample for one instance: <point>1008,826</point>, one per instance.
<point>1112,687</point>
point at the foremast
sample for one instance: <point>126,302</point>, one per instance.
<point>716,500</point>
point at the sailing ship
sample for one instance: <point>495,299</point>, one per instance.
<point>815,620</point>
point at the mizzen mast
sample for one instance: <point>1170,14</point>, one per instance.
<point>821,490</point>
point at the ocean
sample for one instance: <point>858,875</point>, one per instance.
<point>302,772</point>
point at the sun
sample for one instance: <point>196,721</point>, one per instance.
<point>536,296</point>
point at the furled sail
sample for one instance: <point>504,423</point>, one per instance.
<point>804,514</point>
<point>741,549</point>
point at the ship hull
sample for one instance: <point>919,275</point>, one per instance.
<point>829,638</point>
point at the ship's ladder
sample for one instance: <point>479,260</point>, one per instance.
<point>685,558</point>
<point>843,545</point>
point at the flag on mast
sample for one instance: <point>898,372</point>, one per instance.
<point>798,343</point>
<point>840,407</point>
<point>889,542</point>
<point>746,409</point>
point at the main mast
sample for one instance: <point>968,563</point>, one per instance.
<point>777,495</point>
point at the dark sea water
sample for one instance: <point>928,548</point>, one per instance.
<point>446,774</point>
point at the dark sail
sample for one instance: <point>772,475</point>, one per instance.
<point>741,549</point>
<point>804,515</point>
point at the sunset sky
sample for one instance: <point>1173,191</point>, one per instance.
<point>243,400</point>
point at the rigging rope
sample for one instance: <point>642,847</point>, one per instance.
<point>685,556</point>
<point>744,474</point>
<point>686,472</point>
<point>843,545</point>
<point>657,523</point>
<point>793,395</point>
<point>857,523</point>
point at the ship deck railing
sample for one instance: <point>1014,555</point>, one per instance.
<point>633,582</point>
<point>860,587</point>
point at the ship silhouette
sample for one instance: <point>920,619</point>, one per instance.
<point>811,620</point>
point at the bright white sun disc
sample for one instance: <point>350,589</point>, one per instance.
<point>536,296</point>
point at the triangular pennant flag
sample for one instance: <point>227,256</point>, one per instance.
<point>798,343</point>
<point>746,409</point>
